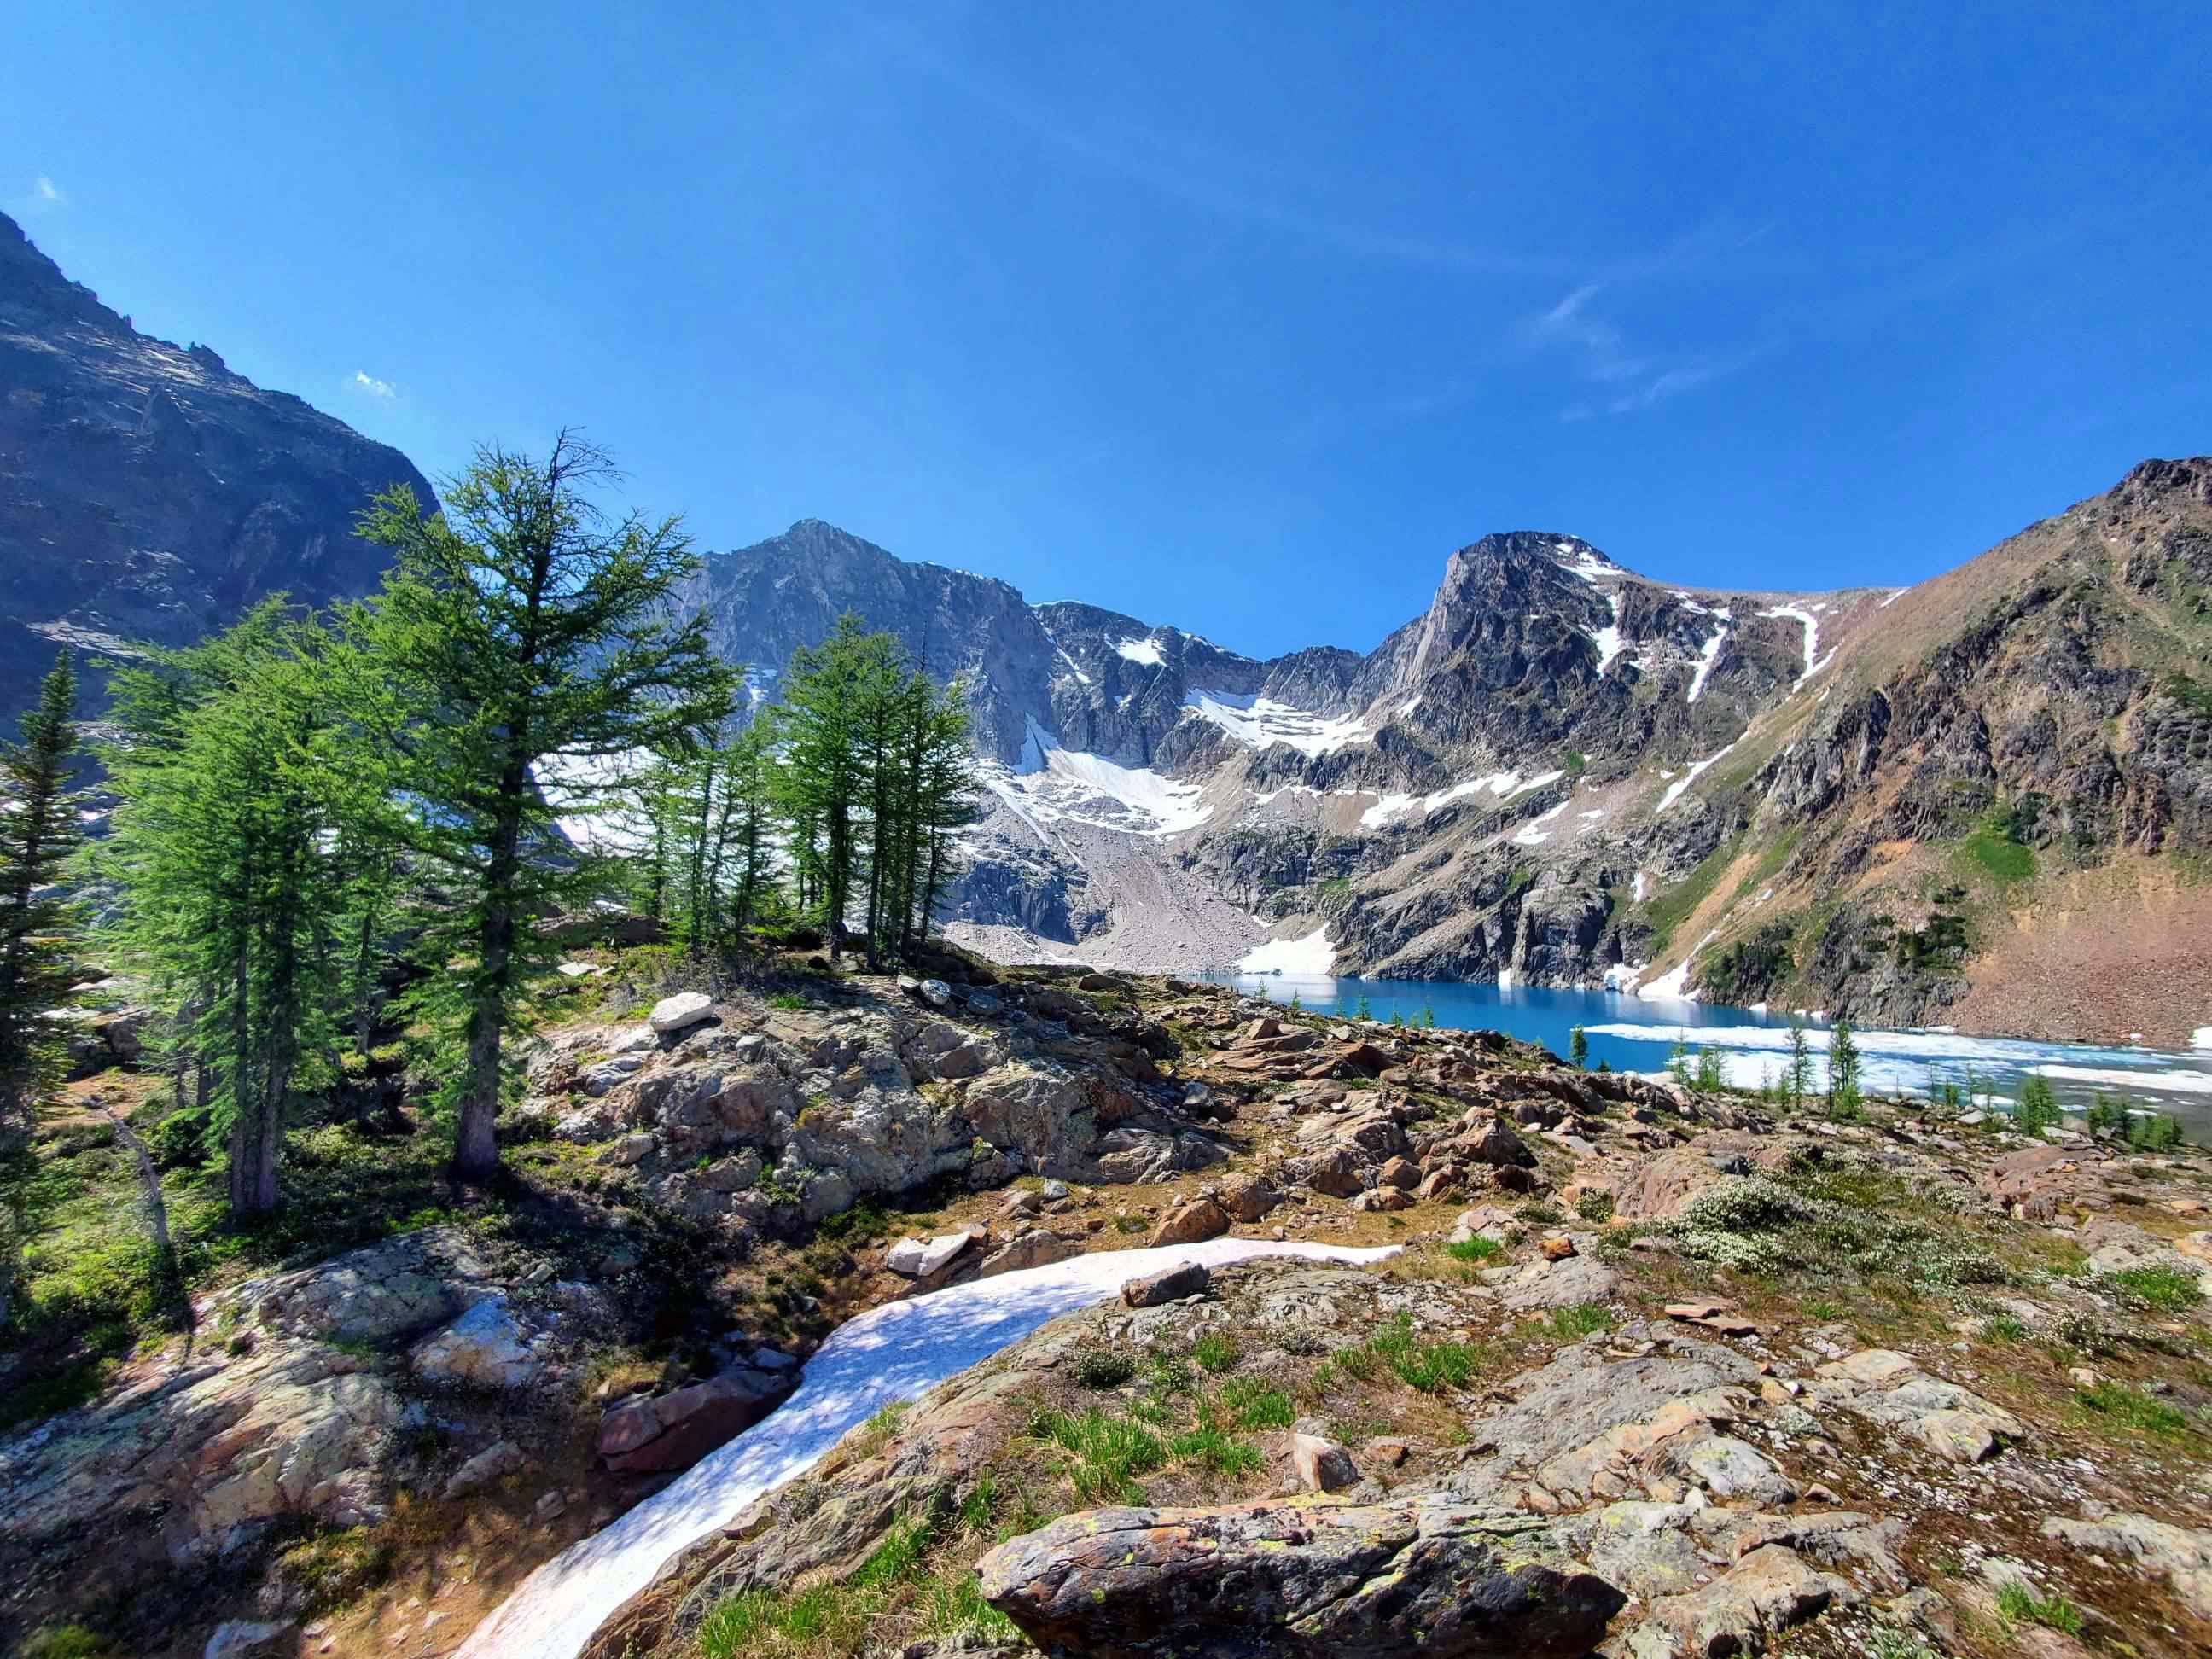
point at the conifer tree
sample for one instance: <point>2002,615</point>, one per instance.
<point>1579,1047</point>
<point>236,770</point>
<point>524,634</point>
<point>1797,1072</point>
<point>1843,1069</point>
<point>38,833</point>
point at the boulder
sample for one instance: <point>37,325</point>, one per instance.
<point>680,1013</point>
<point>924,1258</point>
<point>1190,1224</point>
<point>1334,1173</point>
<point>1495,1143</point>
<point>491,1464</point>
<point>1399,1172</point>
<point>675,1429</point>
<point>1382,1200</point>
<point>1309,1581</point>
<point>1250,1198</point>
<point>487,1347</point>
<point>1320,1465</point>
<point>2179,1557</point>
<point>1766,1593</point>
<point>1034,1247</point>
<point>1169,1284</point>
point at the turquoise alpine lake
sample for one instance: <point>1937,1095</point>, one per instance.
<point>1641,1034</point>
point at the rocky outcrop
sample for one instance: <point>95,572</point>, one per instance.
<point>300,1416</point>
<point>673,1430</point>
<point>775,1128</point>
<point>1308,1580</point>
<point>147,493</point>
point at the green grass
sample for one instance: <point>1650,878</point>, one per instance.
<point>2019,1605</point>
<point>1212,1445</point>
<point>2116,1404</point>
<point>1108,1453</point>
<point>1251,1403</point>
<point>1431,1367</point>
<point>1583,1319</point>
<point>66,1642</point>
<point>1477,1248</point>
<point>2162,1290</point>
<point>1216,1351</point>
<point>2005,1328</point>
<point>883,1428</point>
<point>789,1001</point>
<point>1993,853</point>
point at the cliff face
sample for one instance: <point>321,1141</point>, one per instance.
<point>146,492</point>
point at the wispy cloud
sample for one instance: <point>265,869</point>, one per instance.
<point>1633,379</point>
<point>370,384</point>
<point>44,196</point>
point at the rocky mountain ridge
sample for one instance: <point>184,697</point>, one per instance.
<point>1564,773</point>
<point>147,493</point>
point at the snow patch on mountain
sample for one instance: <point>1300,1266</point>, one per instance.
<point>1147,651</point>
<point>1799,613</point>
<point>1706,658</point>
<point>1313,954</point>
<point>1257,721</point>
<point>1500,784</point>
<point>1674,789</point>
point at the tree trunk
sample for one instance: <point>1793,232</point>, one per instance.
<point>476,1150</point>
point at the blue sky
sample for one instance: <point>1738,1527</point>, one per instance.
<point>1236,317</point>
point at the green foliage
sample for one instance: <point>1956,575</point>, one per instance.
<point>1251,1402</point>
<point>1842,1071</point>
<point>520,639</point>
<point>1583,1319</point>
<point>1108,1453</point>
<point>2153,1132</point>
<point>1216,1351</point>
<point>2120,1405</point>
<point>1430,1367</point>
<point>1748,971</point>
<point>1797,1069</point>
<point>2162,1289</point>
<point>249,812</point>
<point>872,780</point>
<point>66,1642</point>
<point>1578,1048</point>
<point>1477,1248</point>
<point>1104,1368</point>
<point>1361,1011</point>
<point>1991,850</point>
<point>1213,1446</point>
<point>1595,1205</point>
<point>1707,1076</point>
<point>2037,1108</point>
<point>2018,1604</point>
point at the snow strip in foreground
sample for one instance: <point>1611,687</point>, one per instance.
<point>1311,955</point>
<point>897,1351</point>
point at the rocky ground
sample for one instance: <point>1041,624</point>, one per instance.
<point>1655,1371</point>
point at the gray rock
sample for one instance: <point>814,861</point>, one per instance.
<point>923,1258</point>
<point>487,1347</point>
<point>1169,1284</point>
<point>493,1462</point>
<point>680,1013</point>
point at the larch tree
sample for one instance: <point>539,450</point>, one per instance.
<point>534,655</point>
<point>236,766</point>
<point>38,833</point>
